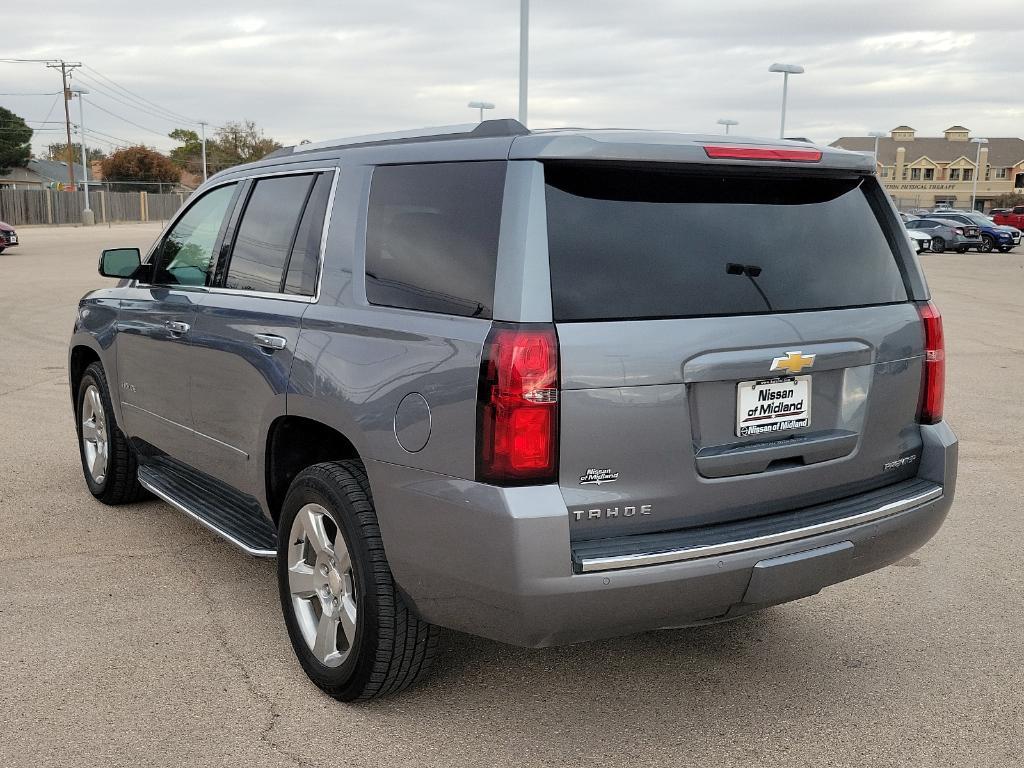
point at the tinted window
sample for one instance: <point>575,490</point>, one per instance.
<point>186,254</point>
<point>305,257</point>
<point>432,236</point>
<point>629,243</point>
<point>266,231</point>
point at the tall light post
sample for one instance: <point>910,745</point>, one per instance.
<point>727,122</point>
<point>88,218</point>
<point>524,56</point>
<point>202,125</point>
<point>977,172</point>
<point>877,135</point>
<point>786,70</point>
<point>481,105</point>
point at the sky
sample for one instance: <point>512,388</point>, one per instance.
<point>319,69</point>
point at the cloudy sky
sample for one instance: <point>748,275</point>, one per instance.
<point>320,69</point>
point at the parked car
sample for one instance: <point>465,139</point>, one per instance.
<point>8,237</point>
<point>922,240</point>
<point>1014,217</point>
<point>993,235</point>
<point>531,386</point>
<point>948,235</point>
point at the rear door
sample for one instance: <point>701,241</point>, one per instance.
<point>155,326</point>
<point>247,327</point>
<point>732,344</point>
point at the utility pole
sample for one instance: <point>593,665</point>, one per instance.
<point>65,69</point>
<point>203,124</point>
<point>524,57</point>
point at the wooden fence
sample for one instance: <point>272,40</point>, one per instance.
<point>47,206</point>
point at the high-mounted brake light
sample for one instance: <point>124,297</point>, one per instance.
<point>763,153</point>
<point>517,421</point>
<point>933,385</point>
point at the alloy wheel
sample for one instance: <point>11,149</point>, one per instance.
<point>95,441</point>
<point>322,585</point>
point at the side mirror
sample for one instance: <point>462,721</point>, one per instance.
<point>120,262</point>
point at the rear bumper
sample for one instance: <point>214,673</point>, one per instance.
<point>497,562</point>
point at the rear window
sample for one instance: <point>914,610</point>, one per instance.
<point>626,243</point>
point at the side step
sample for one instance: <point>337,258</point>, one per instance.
<point>226,512</point>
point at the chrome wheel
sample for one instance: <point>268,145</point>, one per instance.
<point>95,441</point>
<point>322,585</point>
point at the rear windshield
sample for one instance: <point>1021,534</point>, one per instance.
<point>627,243</point>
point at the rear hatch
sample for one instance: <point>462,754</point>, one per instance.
<point>733,343</point>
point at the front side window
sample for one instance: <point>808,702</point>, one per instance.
<point>432,236</point>
<point>266,232</point>
<point>185,257</point>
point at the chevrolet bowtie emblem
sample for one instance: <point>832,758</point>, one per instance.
<point>793,362</point>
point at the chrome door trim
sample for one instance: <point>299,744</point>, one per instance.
<point>195,432</point>
<point>637,559</point>
<point>203,521</point>
<point>270,341</point>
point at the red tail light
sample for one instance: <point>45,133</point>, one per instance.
<point>958,230</point>
<point>517,422</point>
<point>763,153</point>
<point>933,388</point>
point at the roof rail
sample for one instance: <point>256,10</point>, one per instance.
<point>486,129</point>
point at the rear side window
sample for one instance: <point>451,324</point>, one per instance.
<point>630,243</point>
<point>266,233</point>
<point>432,236</point>
<point>304,262</point>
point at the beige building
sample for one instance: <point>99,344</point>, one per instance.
<point>925,171</point>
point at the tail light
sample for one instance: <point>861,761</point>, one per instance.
<point>763,153</point>
<point>517,420</point>
<point>933,387</point>
<point>958,230</point>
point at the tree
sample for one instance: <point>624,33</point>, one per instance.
<point>1008,200</point>
<point>238,142</point>
<point>145,168</point>
<point>189,155</point>
<point>59,152</point>
<point>15,141</point>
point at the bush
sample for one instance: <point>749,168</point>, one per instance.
<point>140,168</point>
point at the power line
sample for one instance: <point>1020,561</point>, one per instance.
<point>112,95</point>
<point>137,97</point>
<point>55,93</point>
<point>92,103</point>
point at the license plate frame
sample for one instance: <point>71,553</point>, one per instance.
<point>757,415</point>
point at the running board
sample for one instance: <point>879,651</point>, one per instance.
<point>227,513</point>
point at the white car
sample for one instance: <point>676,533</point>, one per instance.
<point>921,241</point>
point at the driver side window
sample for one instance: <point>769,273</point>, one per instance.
<point>186,256</point>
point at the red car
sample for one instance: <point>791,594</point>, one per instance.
<point>8,236</point>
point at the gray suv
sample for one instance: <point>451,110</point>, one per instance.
<point>534,386</point>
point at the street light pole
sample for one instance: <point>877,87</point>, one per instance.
<point>524,56</point>
<point>977,172</point>
<point>203,127</point>
<point>88,218</point>
<point>727,122</point>
<point>481,105</point>
<point>877,135</point>
<point>786,70</point>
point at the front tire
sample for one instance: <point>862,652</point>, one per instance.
<point>353,635</point>
<point>108,461</point>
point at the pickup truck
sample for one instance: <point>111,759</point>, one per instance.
<point>1013,218</point>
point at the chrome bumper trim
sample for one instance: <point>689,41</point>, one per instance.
<point>638,559</point>
<point>163,495</point>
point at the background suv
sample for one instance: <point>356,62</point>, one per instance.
<point>530,386</point>
<point>993,235</point>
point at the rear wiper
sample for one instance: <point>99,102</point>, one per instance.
<point>752,271</point>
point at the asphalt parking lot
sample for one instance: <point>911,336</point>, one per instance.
<point>131,636</point>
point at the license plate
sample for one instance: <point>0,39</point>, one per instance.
<point>766,406</point>
<point>13,240</point>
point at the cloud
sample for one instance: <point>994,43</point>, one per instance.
<point>324,69</point>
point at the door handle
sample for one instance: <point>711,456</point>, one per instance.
<point>174,326</point>
<point>270,341</point>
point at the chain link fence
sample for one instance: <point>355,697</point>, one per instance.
<point>47,206</point>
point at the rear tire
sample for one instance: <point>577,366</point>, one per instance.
<point>353,635</point>
<point>108,460</point>
<point>938,244</point>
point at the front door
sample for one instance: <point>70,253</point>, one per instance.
<point>155,328</point>
<point>247,328</point>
